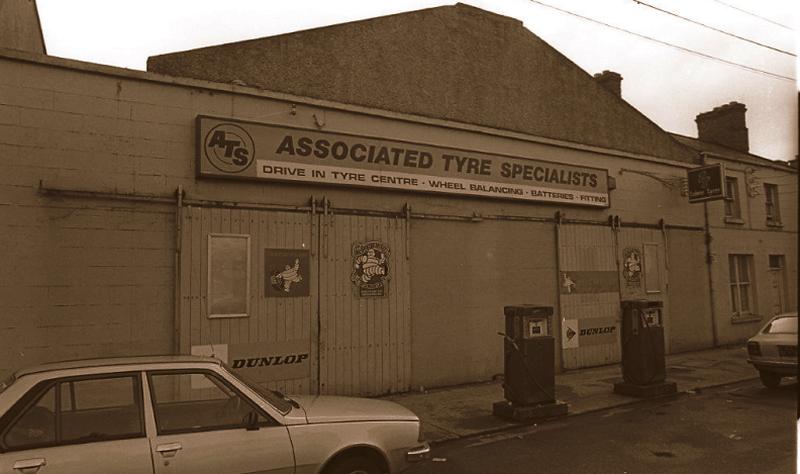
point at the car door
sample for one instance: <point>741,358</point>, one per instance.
<point>203,424</point>
<point>79,424</point>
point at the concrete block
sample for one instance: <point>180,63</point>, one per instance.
<point>161,114</point>
<point>43,77</point>
<point>86,104</point>
<point>217,103</point>
<point>51,119</point>
<point>9,114</point>
<point>10,72</point>
<point>167,132</point>
<point>145,92</point>
<point>26,97</point>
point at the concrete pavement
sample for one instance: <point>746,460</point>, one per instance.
<point>466,410</point>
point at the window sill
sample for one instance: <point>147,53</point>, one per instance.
<point>774,224</point>
<point>745,318</point>
<point>734,220</point>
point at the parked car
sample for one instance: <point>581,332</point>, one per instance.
<point>773,351</point>
<point>190,414</point>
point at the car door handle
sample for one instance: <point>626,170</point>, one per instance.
<point>169,450</point>
<point>29,465</point>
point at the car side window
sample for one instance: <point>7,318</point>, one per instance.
<point>100,408</point>
<point>78,410</point>
<point>36,426</point>
<point>200,401</point>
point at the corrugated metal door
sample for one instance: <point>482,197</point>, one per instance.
<point>589,296</point>
<point>269,322</point>
<point>365,344</point>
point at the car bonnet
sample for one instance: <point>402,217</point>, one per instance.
<point>331,409</point>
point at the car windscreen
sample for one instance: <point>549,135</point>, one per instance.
<point>787,325</point>
<point>276,399</point>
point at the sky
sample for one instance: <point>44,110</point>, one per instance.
<point>678,58</point>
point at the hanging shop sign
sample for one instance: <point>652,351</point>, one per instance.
<point>287,272</point>
<point>238,149</point>
<point>706,183</point>
<point>370,268</point>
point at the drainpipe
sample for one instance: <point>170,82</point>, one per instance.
<point>710,263</point>
<point>557,331</point>
<point>179,194</point>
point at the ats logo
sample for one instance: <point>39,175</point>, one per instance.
<point>229,148</point>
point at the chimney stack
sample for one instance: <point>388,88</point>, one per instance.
<point>611,81</point>
<point>725,125</point>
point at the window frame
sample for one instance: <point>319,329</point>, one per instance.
<point>268,422</point>
<point>772,204</point>
<point>732,201</point>
<point>35,393</point>
<point>736,282</point>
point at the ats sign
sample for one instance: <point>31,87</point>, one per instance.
<point>236,149</point>
<point>706,183</point>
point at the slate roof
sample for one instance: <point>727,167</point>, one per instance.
<point>703,146</point>
<point>456,63</point>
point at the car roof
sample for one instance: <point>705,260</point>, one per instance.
<point>116,361</point>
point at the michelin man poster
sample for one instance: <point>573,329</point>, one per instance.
<point>287,272</point>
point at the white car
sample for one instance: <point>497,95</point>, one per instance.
<point>773,351</point>
<point>189,414</point>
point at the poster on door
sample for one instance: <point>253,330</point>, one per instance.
<point>370,268</point>
<point>287,272</point>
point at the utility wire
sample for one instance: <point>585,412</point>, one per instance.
<point>714,29</point>
<point>681,48</point>
<point>757,16</point>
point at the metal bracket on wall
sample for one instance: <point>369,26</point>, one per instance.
<point>325,209</point>
<point>615,222</point>
<point>319,122</point>
<point>407,214</point>
<point>668,181</point>
<point>313,218</point>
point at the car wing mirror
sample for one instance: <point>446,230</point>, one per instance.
<point>251,421</point>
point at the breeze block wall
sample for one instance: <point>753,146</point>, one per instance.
<point>82,277</point>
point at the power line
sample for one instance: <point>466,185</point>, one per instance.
<point>715,29</point>
<point>757,16</point>
<point>681,48</point>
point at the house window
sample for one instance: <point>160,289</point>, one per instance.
<point>732,208</point>
<point>773,208</point>
<point>741,275</point>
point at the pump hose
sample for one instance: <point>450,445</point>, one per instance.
<point>527,368</point>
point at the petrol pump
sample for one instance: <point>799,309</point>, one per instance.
<point>529,365</point>
<point>643,362</point>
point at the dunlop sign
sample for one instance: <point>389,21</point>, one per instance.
<point>236,149</point>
